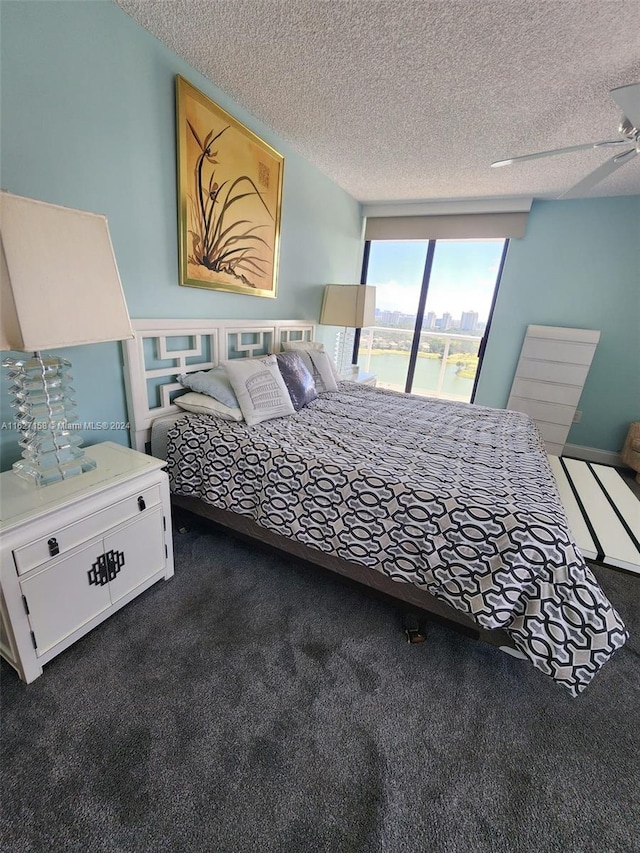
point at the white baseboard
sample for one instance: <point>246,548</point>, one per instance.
<point>592,454</point>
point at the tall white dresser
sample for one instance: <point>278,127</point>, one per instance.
<point>553,366</point>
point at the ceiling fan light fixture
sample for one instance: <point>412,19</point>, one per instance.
<point>626,128</point>
<point>628,100</point>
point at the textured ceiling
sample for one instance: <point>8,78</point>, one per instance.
<point>400,100</point>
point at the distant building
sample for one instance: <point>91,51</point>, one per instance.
<point>407,320</point>
<point>469,321</point>
<point>395,318</point>
<point>446,321</point>
<point>429,321</point>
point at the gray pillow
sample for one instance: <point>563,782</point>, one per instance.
<point>214,382</point>
<point>299,382</point>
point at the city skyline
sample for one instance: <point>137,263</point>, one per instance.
<point>463,276</point>
<point>468,321</point>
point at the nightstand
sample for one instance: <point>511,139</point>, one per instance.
<point>360,376</point>
<point>74,552</point>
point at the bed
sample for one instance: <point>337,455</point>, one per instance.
<point>447,507</point>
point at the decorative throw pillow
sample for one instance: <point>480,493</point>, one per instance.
<point>299,382</point>
<point>313,346</point>
<point>202,404</point>
<point>319,366</point>
<point>213,382</point>
<point>260,388</point>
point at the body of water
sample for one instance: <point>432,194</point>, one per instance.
<point>391,371</point>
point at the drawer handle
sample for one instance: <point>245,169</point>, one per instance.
<point>54,548</point>
<point>105,568</point>
<point>141,504</point>
<point>99,573</point>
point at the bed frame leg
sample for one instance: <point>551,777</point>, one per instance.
<point>413,630</point>
<point>515,653</point>
<point>179,522</point>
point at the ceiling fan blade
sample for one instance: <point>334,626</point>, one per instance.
<point>628,99</point>
<point>606,144</point>
<point>598,175</point>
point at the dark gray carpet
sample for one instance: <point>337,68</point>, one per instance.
<point>254,704</point>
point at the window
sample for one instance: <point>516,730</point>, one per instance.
<point>434,300</point>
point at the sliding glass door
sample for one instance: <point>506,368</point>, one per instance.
<point>433,308</point>
<point>396,267</point>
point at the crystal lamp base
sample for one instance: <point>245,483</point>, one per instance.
<point>45,418</point>
<point>31,471</point>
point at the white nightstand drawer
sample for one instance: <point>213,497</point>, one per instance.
<point>37,553</point>
<point>359,376</point>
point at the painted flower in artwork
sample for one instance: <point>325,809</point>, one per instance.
<point>225,238</point>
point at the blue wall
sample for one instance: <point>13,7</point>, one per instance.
<point>88,121</point>
<point>577,266</point>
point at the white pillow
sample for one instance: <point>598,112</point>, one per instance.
<point>260,388</point>
<point>313,346</point>
<point>202,404</point>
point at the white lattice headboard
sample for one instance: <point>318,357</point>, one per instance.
<point>161,349</point>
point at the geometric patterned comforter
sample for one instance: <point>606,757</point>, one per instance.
<point>457,499</point>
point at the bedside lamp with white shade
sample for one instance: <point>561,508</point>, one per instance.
<point>60,288</point>
<point>350,306</point>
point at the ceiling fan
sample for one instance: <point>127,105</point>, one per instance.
<point>628,99</point>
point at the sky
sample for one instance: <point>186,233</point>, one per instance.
<point>462,279</point>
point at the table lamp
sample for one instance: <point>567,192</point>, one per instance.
<point>349,306</point>
<point>60,288</point>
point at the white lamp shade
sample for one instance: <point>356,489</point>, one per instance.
<point>352,305</point>
<point>60,281</point>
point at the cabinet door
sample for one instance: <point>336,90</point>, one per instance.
<point>62,598</point>
<point>137,551</point>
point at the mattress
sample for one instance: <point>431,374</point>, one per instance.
<point>456,499</point>
<point>159,431</point>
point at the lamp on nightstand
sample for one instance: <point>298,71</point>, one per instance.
<point>350,306</point>
<point>60,288</point>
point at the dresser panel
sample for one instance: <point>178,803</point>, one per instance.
<point>553,366</point>
<point>60,598</point>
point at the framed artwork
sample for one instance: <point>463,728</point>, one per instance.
<point>229,199</point>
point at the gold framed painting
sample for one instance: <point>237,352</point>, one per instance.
<point>229,199</point>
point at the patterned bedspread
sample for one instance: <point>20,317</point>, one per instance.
<point>457,499</point>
